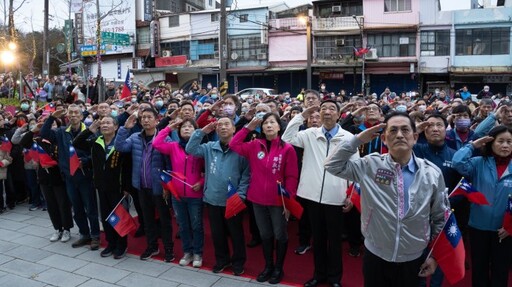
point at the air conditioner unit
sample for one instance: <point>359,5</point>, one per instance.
<point>336,8</point>
<point>216,54</point>
<point>371,55</point>
<point>166,53</point>
<point>262,56</point>
<point>340,42</point>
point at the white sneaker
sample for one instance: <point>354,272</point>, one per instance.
<point>66,236</point>
<point>187,258</point>
<point>56,236</point>
<point>198,261</point>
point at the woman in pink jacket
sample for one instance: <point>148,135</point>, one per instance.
<point>271,161</point>
<point>189,206</point>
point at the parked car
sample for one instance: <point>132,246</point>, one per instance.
<point>255,91</point>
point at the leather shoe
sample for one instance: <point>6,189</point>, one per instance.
<point>312,283</point>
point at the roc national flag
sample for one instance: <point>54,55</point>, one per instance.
<point>5,144</point>
<point>234,204</point>
<point>354,194</point>
<point>507,219</point>
<point>74,161</point>
<point>127,89</point>
<point>121,220</point>
<point>32,152</point>
<point>466,189</point>
<point>45,160</point>
<point>167,184</point>
<point>288,202</point>
<point>448,250</point>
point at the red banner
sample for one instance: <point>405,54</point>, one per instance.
<point>171,61</point>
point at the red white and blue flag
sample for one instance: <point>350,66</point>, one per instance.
<point>33,154</point>
<point>354,194</point>
<point>507,219</point>
<point>466,189</point>
<point>167,184</point>
<point>5,144</point>
<point>359,52</point>
<point>448,250</point>
<point>74,161</point>
<point>288,202</point>
<point>121,220</point>
<point>127,89</point>
<point>234,204</point>
<point>45,160</point>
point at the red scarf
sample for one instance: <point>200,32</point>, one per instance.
<point>501,163</point>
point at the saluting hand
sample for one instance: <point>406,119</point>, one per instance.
<point>131,121</point>
<point>369,134</point>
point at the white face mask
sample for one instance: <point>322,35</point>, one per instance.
<point>422,108</point>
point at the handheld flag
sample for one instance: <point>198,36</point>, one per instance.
<point>121,220</point>
<point>5,144</point>
<point>234,204</point>
<point>354,193</point>
<point>359,52</point>
<point>466,189</point>
<point>45,160</point>
<point>177,175</point>
<point>288,202</point>
<point>448,250</point>
<point>167,184</point>
<point>507,219</point>
<point>32,153</point>
<point>74,161</point>
<point>127,89</point>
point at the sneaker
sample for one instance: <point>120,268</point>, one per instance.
<point>81,242</point>
<point>301,250</point>
<point>95,244</point>
<point>354,252</point>
<point>56,236</point>
<point>34,207</point>
<point>238,270</point>
<point>150,252</point>
<point>186,259</point>
<point>169,255</point>
<point>198,261</point>
<point>118,254</point>
<point>66,236</point>
<point>219,268</point>
<point>107,251</point>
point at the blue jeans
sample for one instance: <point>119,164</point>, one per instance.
<point>189,216</point>
<point>83,199</point>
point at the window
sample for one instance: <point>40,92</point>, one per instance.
<point>247,48</point>
<point>435,43</point>
<point>397,5</point>
<point>393,45</point>
<point>177,48</point>
<point>143,35</point>
<point>244,18</point>
<point>491,41</point>
<point>210,3</point>
<point>174,21</point>
<point>206,48</point>
<point>336,47</point>
<point>344,9</point>
<point>215,17</point>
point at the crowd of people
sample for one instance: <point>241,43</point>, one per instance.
<point>405,151</point>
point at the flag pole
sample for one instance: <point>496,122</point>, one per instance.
<point>176,178</point>
<point>282,200</point>
<point>116,206</point>
<point>457,186</point>
<point>437,238</point>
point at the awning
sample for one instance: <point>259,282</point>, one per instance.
<point>70,65</point>
<point>285,69</point>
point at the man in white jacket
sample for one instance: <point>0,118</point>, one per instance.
<point>323,193</point>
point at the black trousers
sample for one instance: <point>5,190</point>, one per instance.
<point>352,221</point>
<point>490,259</point>
<point>136,202</point>
<point>59,206</point>
<point>221,228</point>
<point>304,225</point>
<point>253,227</point>
<point>326,225</point>
<point>149,204</point>
<point>381,273</point>
<point>108,201</point>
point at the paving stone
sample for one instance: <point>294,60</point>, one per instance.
<point>62,262</point>
<point>65,248</point>
<point>6,246</point>
<point>14,216</point>
<point>45,232</point>
<point>17,281</point>
<point>4,259</point>
<point>11,225</point>
<point>96,283</point>
<point>22,268</point>
<point>94,256</point>
<point>139,280</point>
<point>231,282</point>
<point>189,277</point>
<point>33,241</point>
<point>145,267</point>
<point>40,221</point>
<point>58,277</point>
<point>102,272</point>
<point>8,235</point>
<point>28,253</point>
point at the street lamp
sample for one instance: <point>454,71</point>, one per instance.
<point>364,55</point>
<point>307,20</point>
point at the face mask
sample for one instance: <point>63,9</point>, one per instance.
<point>209,87</point>
<point>245,110</point>
<point>229,110</point>
<point>113,113</point>
<point>24,106</point>
<point>31,127</point>
<point>250,101</point>
<point>190,93</point>
<point>88,121</point>
<point>462,123</point>
<point>134,100</point>
<point>260,115</point>
<point>159,104</point>
<point>213,96</point>
<point>20,123</point>
<point>360,118</point>
<point>422,108</point>
<point>83,110</point>
<point>401,108</point>
<point>322,87</point>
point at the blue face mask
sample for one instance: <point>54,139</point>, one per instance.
<point>88,121</point>
<point>159,104</point>
<point>260,115</point>
<point>401,108</point>
<point>24,107</point>
<point>213,96</point>
<point>114,113</point>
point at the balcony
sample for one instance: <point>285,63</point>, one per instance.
<point>337,23</point>
<point>287,24</point>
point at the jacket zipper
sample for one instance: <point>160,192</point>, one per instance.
<point>323,177</point>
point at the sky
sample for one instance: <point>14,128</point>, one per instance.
<point>31,17</point>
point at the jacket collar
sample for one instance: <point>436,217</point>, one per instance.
<point>82,128</point>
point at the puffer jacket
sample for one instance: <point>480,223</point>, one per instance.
<point>391,233</point>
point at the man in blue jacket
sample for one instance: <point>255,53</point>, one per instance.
<point>78,186</point>
<point>147,163</point>
<point>222,166</point>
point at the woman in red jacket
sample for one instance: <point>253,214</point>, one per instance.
<point>271,161</point>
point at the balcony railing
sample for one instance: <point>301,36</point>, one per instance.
<point>287,24</point>
<point>337,23</point>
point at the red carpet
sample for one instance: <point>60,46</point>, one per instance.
<point>298,268</point>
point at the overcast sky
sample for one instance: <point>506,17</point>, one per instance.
<point>30,16</point>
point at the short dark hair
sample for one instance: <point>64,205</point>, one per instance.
<point>400,114</point>
<point>151,110</point>
<point>438,116</point>
<point>234,98</point>
<point>461,109</point>
<point>331,101</point>
<point>494,132</point>
<point>184,103</point>
<point>311,91</point>
<point>277,118</point>
<point>191,121</point>
<point>486,101</point>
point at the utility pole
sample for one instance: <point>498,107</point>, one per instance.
<point>46,53</point>
<point>223,53</point>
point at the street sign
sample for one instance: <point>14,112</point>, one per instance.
<point>115,38</point>
<point>90,50</point>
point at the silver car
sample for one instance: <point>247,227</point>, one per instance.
<point>255,91</point>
